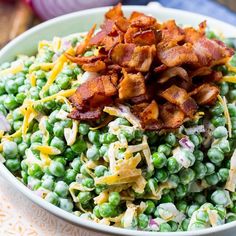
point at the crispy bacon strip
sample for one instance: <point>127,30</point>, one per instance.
<point>115,12</point>
<point>135,57</point>
<point>180,97</point>
<point>94,67</point>
<point>132,85</point>
<point>94,93</point>
<point>205,94</point>
<point>171,116</point>
<point>150,113</point>
<point>81,60</point>
<point>172,72</point>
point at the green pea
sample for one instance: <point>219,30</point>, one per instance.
<point>159,160</point>
<point>106,210</point>
<point>215,155</point>
<point>195,140</point>
<point>174,179</point>
<point>114,198</point>
<point>11,87</point>
<point>10,102</point>
<point>84,197</point>
<point>182,206</point>
<point>221,211</point>
<point>150,207</point>
<point>63,81</point>
<point>107,138</point>
<point>48,183</point>
<point>143,221</point>
<point>100,170</point>
<point>54,89</point>
<point>212,179</point>
<point>21,148</point>
<point>84,170</point>
<point>52,198</point>
<point>172,165</point>
<point>232,110</point>
<point>218,121</point>
<point>66,204</point>
<point>61,189</point>
<point>165,227</point>
<point>164,148</point>
<point>151,184</point>
<point>58,143</point>
<point>219,197</point>
<point>217,110</point>
<point>185,224</point>
<point>232,94</point>
<point>17,125</point>
<point>93,136</point>
<point>191,209</point>
<point>224,88</point>
<point>167,198</point>
<point>96,212</point>
<point>13,164</point>
<point>210,168</point>
<point>224,145</point>
<point>10,149</point>
<point>200,170</point>
<point>57,169</point>
<point>79,146</point>
<point>35,171</point>
<point>181,191</point>
<point>37,137</point>
<point>186,176</point>
<point>34,93</point>
<point>199,198</point>
<point>2,88</point>
<point>76,164</point>
<point>20,80</point>
<point>223,174</point>
<point>3,110</point>
<point>93,153</point>
<point>40,74</point>
<point>170,139</point>
<point>83,128</point>
<point>88,182</point>
<point>103,150</point>
<point>220,132</point>
<point>173,225</point>
<point>231,218</point>
<point>100,188</point>
<point>198,155</point>
<point>17,115</point>
<point>50,105</point>
<point>161,175</point>
<point>70,176</point>
<point>58,130</point>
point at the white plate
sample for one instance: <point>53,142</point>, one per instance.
<point>79,22</point>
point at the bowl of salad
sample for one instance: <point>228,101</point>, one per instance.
<point>128,128</point>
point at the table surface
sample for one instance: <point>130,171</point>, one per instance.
<point>20,217</point>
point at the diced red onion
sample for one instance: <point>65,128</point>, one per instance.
<point>4,124</point>
<point>186,143</point>
<point>47,9</point>
<point>152,222</point>
<point>196,129</point>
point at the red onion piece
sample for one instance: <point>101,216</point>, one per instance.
<point>195,130</point>
<point>47,9</point>
<point>4,124</point>
<point>186,143</point>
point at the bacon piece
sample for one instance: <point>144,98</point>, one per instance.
<point>205,94</point>
<point>177,55</point>
<point>138,58</point>
<point>83,46</point>
<point>132,85</point>
<point>140,20</point>
<point>150,113</point>
<point>146,37</point>
<point>94,67</point>
<point>122,24</point>
<point>172,72</point>
<point>94,93</point>
<point>80,60</point>
<point>160,68</point>
<point>200,72</point>
<point>180,97</point>
<point>171,32</point>
<point>171,116</point>
<point>87,115</point>
<point>115,12</point>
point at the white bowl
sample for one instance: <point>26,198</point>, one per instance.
<point>79,22</point>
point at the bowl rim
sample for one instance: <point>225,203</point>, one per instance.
<point>69,217</point>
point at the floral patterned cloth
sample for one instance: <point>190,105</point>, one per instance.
<point>20,217</point>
